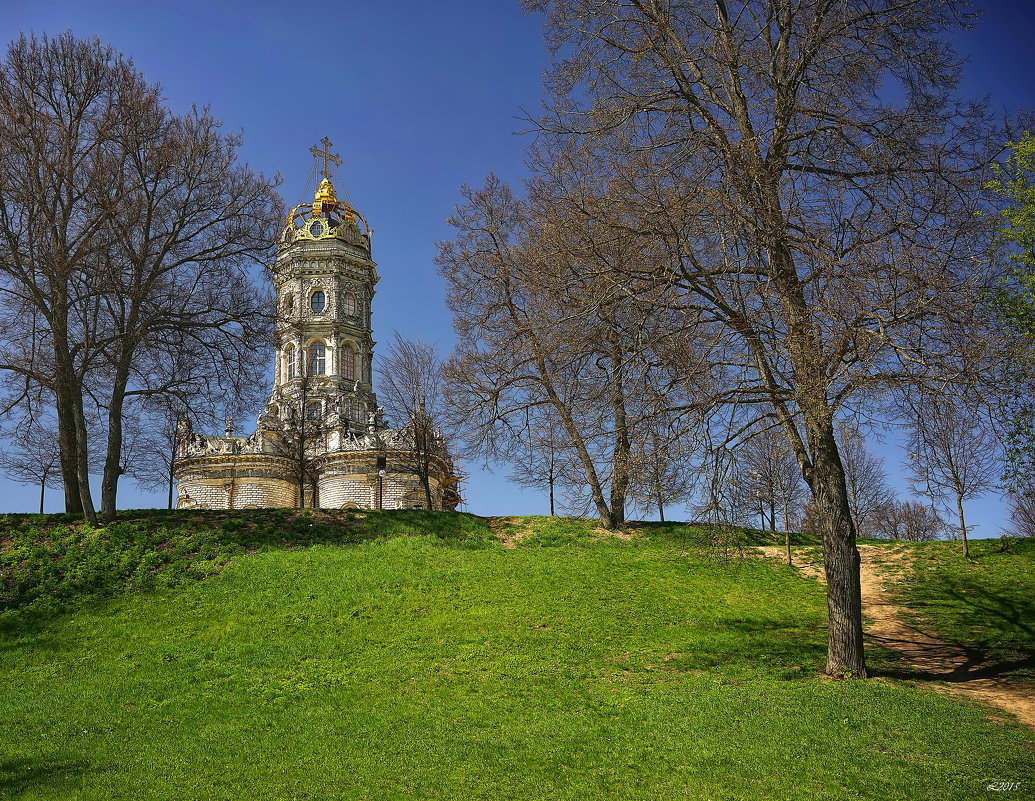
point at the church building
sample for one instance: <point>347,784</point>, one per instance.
<point>320,441</point>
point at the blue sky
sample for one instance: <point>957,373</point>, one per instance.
<point>417,98</point>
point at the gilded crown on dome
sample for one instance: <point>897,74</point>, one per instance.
<point>327,217</point>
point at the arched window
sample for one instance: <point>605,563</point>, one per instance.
<point>317,301</point>
<point>289,358</point>
<point>358,411</point>
<point>313,410</point>
<point>317,358</point>
<point>348,362</point>
<point>348,304</point>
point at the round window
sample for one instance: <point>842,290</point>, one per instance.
<point>317,301</point>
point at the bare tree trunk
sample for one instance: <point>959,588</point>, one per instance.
<point>172,466</point>
<point>43,489</point>
<point>113,457</point>
<point>845,656</point>
<point>82,464</point>
<point>426,481</point>
<point>586,460</point>
<point>71,426</point>
<point>427,443</point>
<point>67,440</point>
<point>963,525</point>
<point>620,473</point>
<point>65,401</point>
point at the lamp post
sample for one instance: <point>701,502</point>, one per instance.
<point>380,489</point>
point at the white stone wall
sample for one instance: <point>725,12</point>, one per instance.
<point>219,493</point>
<point>336,492</point>
<point>264,493</point>
<point>346,479</point>
<point>225,482</point>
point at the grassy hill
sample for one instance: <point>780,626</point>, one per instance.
<point>281,655</point>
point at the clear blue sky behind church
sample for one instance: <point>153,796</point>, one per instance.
<point>418,98</point>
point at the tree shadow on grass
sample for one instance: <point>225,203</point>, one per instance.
<point>43,775</point>
<point>949,662</point>
<point>784,648</point>
<point>996,628</point>
<point>975,665</point>
<point>1009,617</point>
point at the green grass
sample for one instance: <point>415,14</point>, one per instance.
<point>50,563</point>
<point>361,664</point>
<point>985,603</point>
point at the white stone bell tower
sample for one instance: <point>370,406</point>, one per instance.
<point>320,440</point>
<point>324,280</point>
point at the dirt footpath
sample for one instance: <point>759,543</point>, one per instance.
<point>939,660</point>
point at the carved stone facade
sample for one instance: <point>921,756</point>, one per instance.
<point>320,441</point>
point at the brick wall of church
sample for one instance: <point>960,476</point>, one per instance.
<point>264,493</point>
<point>339,491</point>
<point>346,479</point>
<point>236,482</point>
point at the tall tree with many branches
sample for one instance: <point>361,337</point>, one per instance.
<point>181,315</point>
<point>541,334</point>
<point>125,235</point>
<point>815,185</point>
<point>62,104</point>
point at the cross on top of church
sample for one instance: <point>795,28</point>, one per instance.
<point>327,156</point>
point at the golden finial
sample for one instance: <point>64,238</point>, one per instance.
<point>325,192</point>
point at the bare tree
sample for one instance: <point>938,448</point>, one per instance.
<point>770,477</point>
<point>302,437</point>
<point>823,235</point>
<point>181,315</point>
<point>153,459</point>
<point>538,325</point>
<point>1022,513</point>
<point>124,234</point>
<point>720,500</point>
<point>909,520</point>
<point>540,455</point>
<point>412,394</point>
<point>868,490</point>
<point>952,452</point>
<point>34,457</point>
<point>157,429</point>
<point>62,103</point>
<point>661,465</point>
